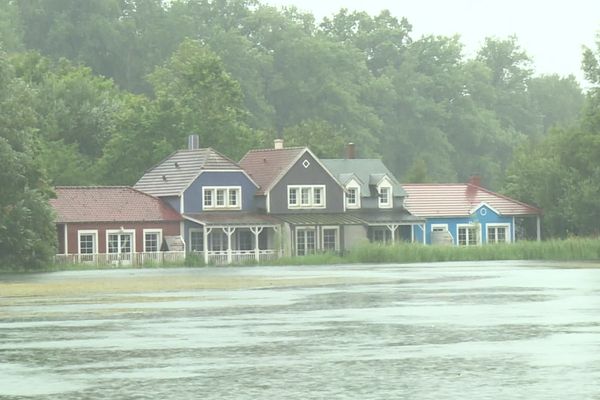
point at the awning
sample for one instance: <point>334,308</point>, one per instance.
<point>385,217</point>
<point>320,219</point>
<point>232,218</point>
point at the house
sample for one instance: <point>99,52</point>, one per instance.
<point>216,199</point>
<point>374,195</point>
<point>296,188</point>
<point>467,214</point>
<point>115,224</point>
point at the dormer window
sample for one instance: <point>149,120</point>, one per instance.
<point>384,190</point>
<point>352,195</point>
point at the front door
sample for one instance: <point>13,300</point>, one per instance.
<point>120,248</point>
<point>305,241</point>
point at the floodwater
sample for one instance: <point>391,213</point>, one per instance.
<point>499,330</point>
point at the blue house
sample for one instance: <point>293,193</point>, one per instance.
<point>216,198</point>
<point>466,214</point>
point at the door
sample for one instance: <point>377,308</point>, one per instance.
<point>120,247</point>
<point>305,241</point>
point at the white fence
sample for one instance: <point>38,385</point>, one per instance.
<point>159,257</point>
<point>165,257</point>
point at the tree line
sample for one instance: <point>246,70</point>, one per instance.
<point>95,92</point>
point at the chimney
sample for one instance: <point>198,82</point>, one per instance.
<point>278,144</point>
<point>475,180</point>
<point>193,142</point>
<point>350,151</point>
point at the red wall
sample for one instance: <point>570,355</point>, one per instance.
<point>168,229</point>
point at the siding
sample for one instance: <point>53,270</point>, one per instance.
<point>193,194</point>
<point>313,175</point>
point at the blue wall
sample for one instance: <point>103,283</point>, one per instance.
<point>483,215</point>
<point>193,195</point>
<point>173,202</point>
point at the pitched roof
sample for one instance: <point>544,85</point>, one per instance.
<point>175,173</point>
<point>108,204</point>
<point>232,218</point>
<point>368,170</point>
<point>430,200</point>
<point>267,166</point>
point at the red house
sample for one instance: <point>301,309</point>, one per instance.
<point>115,224</point>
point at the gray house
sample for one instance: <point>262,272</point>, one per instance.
<point>296,188</point>
<point>215,196</point>
<point>374,196</point>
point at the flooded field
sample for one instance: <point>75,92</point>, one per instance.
<point>501,330</point>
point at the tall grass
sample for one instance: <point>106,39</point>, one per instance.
<point>576,249</point>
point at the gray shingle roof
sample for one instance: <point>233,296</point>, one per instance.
<point>175,173</point>
<point>368,170</point>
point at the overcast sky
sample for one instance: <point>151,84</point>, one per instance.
<point>552,32</point>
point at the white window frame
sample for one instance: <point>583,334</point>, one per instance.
<point>196,230</point>
<point>385,184</point>
<point>94,233</point>
<point>310,204</point>
<point>337,237</point>
<point>353,186</point>
<point>159,238</point>
<point>119,232</point>
<point>316,238</point>
<point>468,226</point>
<point>226,198</point>
<point>498,225</point>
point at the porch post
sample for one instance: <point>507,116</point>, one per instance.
<point>392,228</point>
<point>424,234</point>
<point>66,239</point>
<point>205,243</point>
<point>229,231</point>
<point>256,231</point>
<point>412,233</point>
<point>539,228</point>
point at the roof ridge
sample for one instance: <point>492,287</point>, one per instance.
<point>93,187</point>
<point>272,149</point>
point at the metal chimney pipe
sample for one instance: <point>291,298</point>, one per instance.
<point>278,144</point>
<point>193,142</point>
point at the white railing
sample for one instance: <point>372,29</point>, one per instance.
<point>159,257</point>
<point>221,257</point>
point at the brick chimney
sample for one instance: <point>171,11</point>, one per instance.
<point>193,142</point>
<point>350,151</point>
<point>475,180</point>
<point>278,144</point>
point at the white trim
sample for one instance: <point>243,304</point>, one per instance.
<point>159,239</point>
<point>119,232</point>
<point>268,202</point>
<point>87,232</point>
<point>182,202</point>
<point>482,204</point>
<point>226,198</point>
<point>312,228</point>
<point>507,234</point>
<point>66,239</point>
<point>474,226</point>
<point>214,170</point>
<point>337,237</point>
<point>311,197</point>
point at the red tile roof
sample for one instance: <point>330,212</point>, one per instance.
<point>430,200</point>
<point>109,203</point>
<point>265,167</point>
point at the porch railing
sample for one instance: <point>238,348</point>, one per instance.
<point>238,256</point>
<point>159,257</point>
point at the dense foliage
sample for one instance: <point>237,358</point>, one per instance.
<point>112,86</point>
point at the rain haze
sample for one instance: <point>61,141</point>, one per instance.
<point>552,32</point>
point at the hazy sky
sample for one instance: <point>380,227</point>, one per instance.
<point>552,31</point>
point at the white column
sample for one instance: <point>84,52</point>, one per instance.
<point>256,231</point>
<point>539,228</point>
<point>206,233</point>
<point>229,231</point>
<point>412,233</point>
<point>392,228</point>
<point>66,239</point>
<point>424,233</point>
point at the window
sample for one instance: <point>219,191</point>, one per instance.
<point>245,240</point>
<point>217,241</point>
<point>196,240</point>
<point>330,236</point>
<point>351,197</point>
<point>305,241</point>
<point>119,243</point>
<point>152,240</point>
<point>439,227</point>
<point>222,198</point>
<point>497,234</point>
<point>306,196</point>
<point>384,196</point>
<point>467,235</point>
<point>87,242</point>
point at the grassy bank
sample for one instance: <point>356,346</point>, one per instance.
<point>574,249</point>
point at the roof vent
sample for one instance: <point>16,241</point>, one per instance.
<point>164,177</point>
<point>278,144</point>
<point>193,142</point>
<point>176,164</point>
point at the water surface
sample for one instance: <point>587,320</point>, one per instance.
<point>501,330</point>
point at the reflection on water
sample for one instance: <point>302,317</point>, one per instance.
<point>448,331</point>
